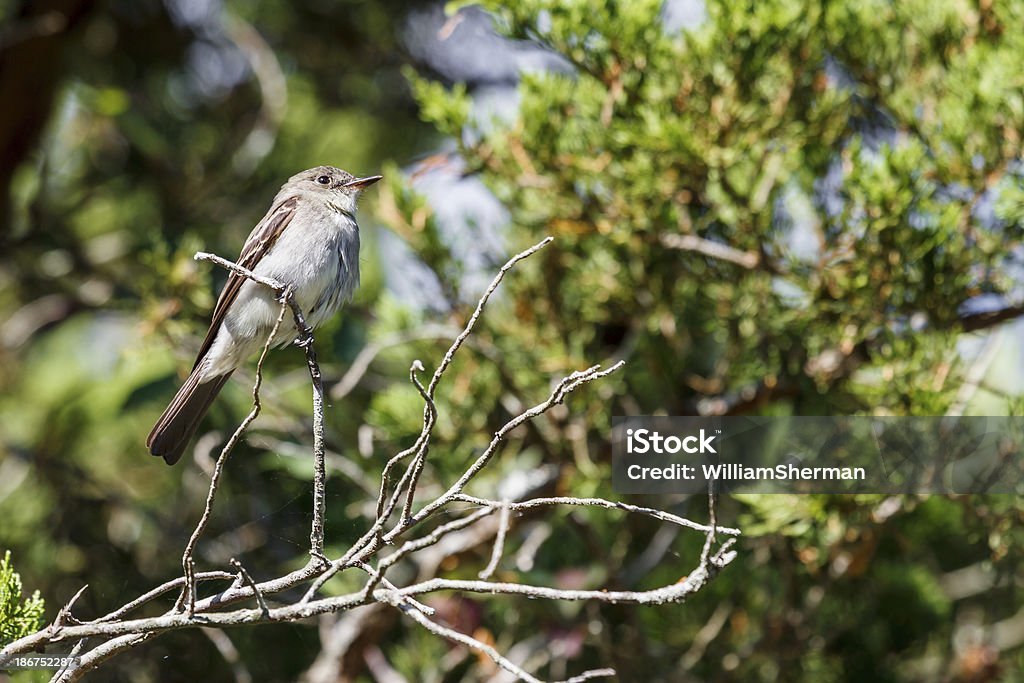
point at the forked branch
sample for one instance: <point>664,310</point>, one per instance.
<point>389,539</point>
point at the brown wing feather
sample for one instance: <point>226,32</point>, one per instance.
<point>259,242</point>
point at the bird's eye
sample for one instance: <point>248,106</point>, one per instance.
<point>324,180</point>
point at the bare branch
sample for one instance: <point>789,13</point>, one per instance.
<point>64,614</point>
<point>499,543</point>
<point>244,576</point>
<point>566,386</point>
<point>429,416</point>
<point>359,366</point>
<point>480,646</point>
<point>746,259</point>
<point>278,287</point>
<point>304,341</point>
<point>596,502</point>
<point>187,600</point>
<point>709,541</point>
<point>160,590</point>
<point>469,528</point>
<point>677,592</point>
<point>229,652</point>
<point>450,355</point>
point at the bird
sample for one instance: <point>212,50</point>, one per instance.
<point>308,239</point>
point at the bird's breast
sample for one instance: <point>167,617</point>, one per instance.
<point>320,260</point>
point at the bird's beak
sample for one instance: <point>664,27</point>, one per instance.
<point>360,183</point>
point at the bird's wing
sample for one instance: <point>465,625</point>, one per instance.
<point>259,242</point>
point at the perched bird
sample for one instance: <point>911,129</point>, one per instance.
<point>308,239</point>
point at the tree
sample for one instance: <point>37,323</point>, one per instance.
<point>788,208</point>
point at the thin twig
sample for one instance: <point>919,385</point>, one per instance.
<point>64,614</point>
<point>305,341</point>
<point>482,647</point>
<point>421,453</point>
<point>565,387</point>
<point>746,259</point>
<point>596,502</point>
<point>449,356</point>
<point>408,547</point>
<point>99,654</point>
<point>429,416</point>
<point>359,366</point>
<point>160,590</point>
<point>252,584</point>
<point>278,287</point>
<point>187,600</point>
<point>377,578</point>
<point>435,536</point>
<point>677,592</point>
<point>471,642</point>
<point>709,540</point>
<point>499,542</point>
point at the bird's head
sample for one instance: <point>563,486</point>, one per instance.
<point>340,188</point>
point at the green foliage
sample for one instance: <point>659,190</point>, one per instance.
<point>843,151</point>
<point>704,133</point>
<point>17,618</point>
<point>447,109</point>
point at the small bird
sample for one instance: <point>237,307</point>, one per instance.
<point>308,239</point>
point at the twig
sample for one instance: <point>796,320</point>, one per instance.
<point>471,642</point>
<point>278,287</point>
<point>98,655</point>
<point>499,543</point>
<point>407,548</point>
<point>565,387</point>
<point>64,614</point>
<point>589,675</point>
<point>709,540</point>
<point>359,366</point>
<point>429,416</point>
<point>435,536</point>
<point>229,652</point>
<point>421,453</point>
<point>747,259</point>
<point>305,341</point>
<point>371,541</point>
<point>160,590</point>
<point>71,654</point>
<point>596,502</point>
<point>482,647</point>
<point>449,355</point>
<point>252,584</point>
<point>187,600</point>
<point>677,592</point>
<point>377,577</point>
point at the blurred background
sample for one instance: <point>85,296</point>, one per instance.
<point>780,207</point>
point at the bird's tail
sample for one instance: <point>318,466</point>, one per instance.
<point>179,422</point>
